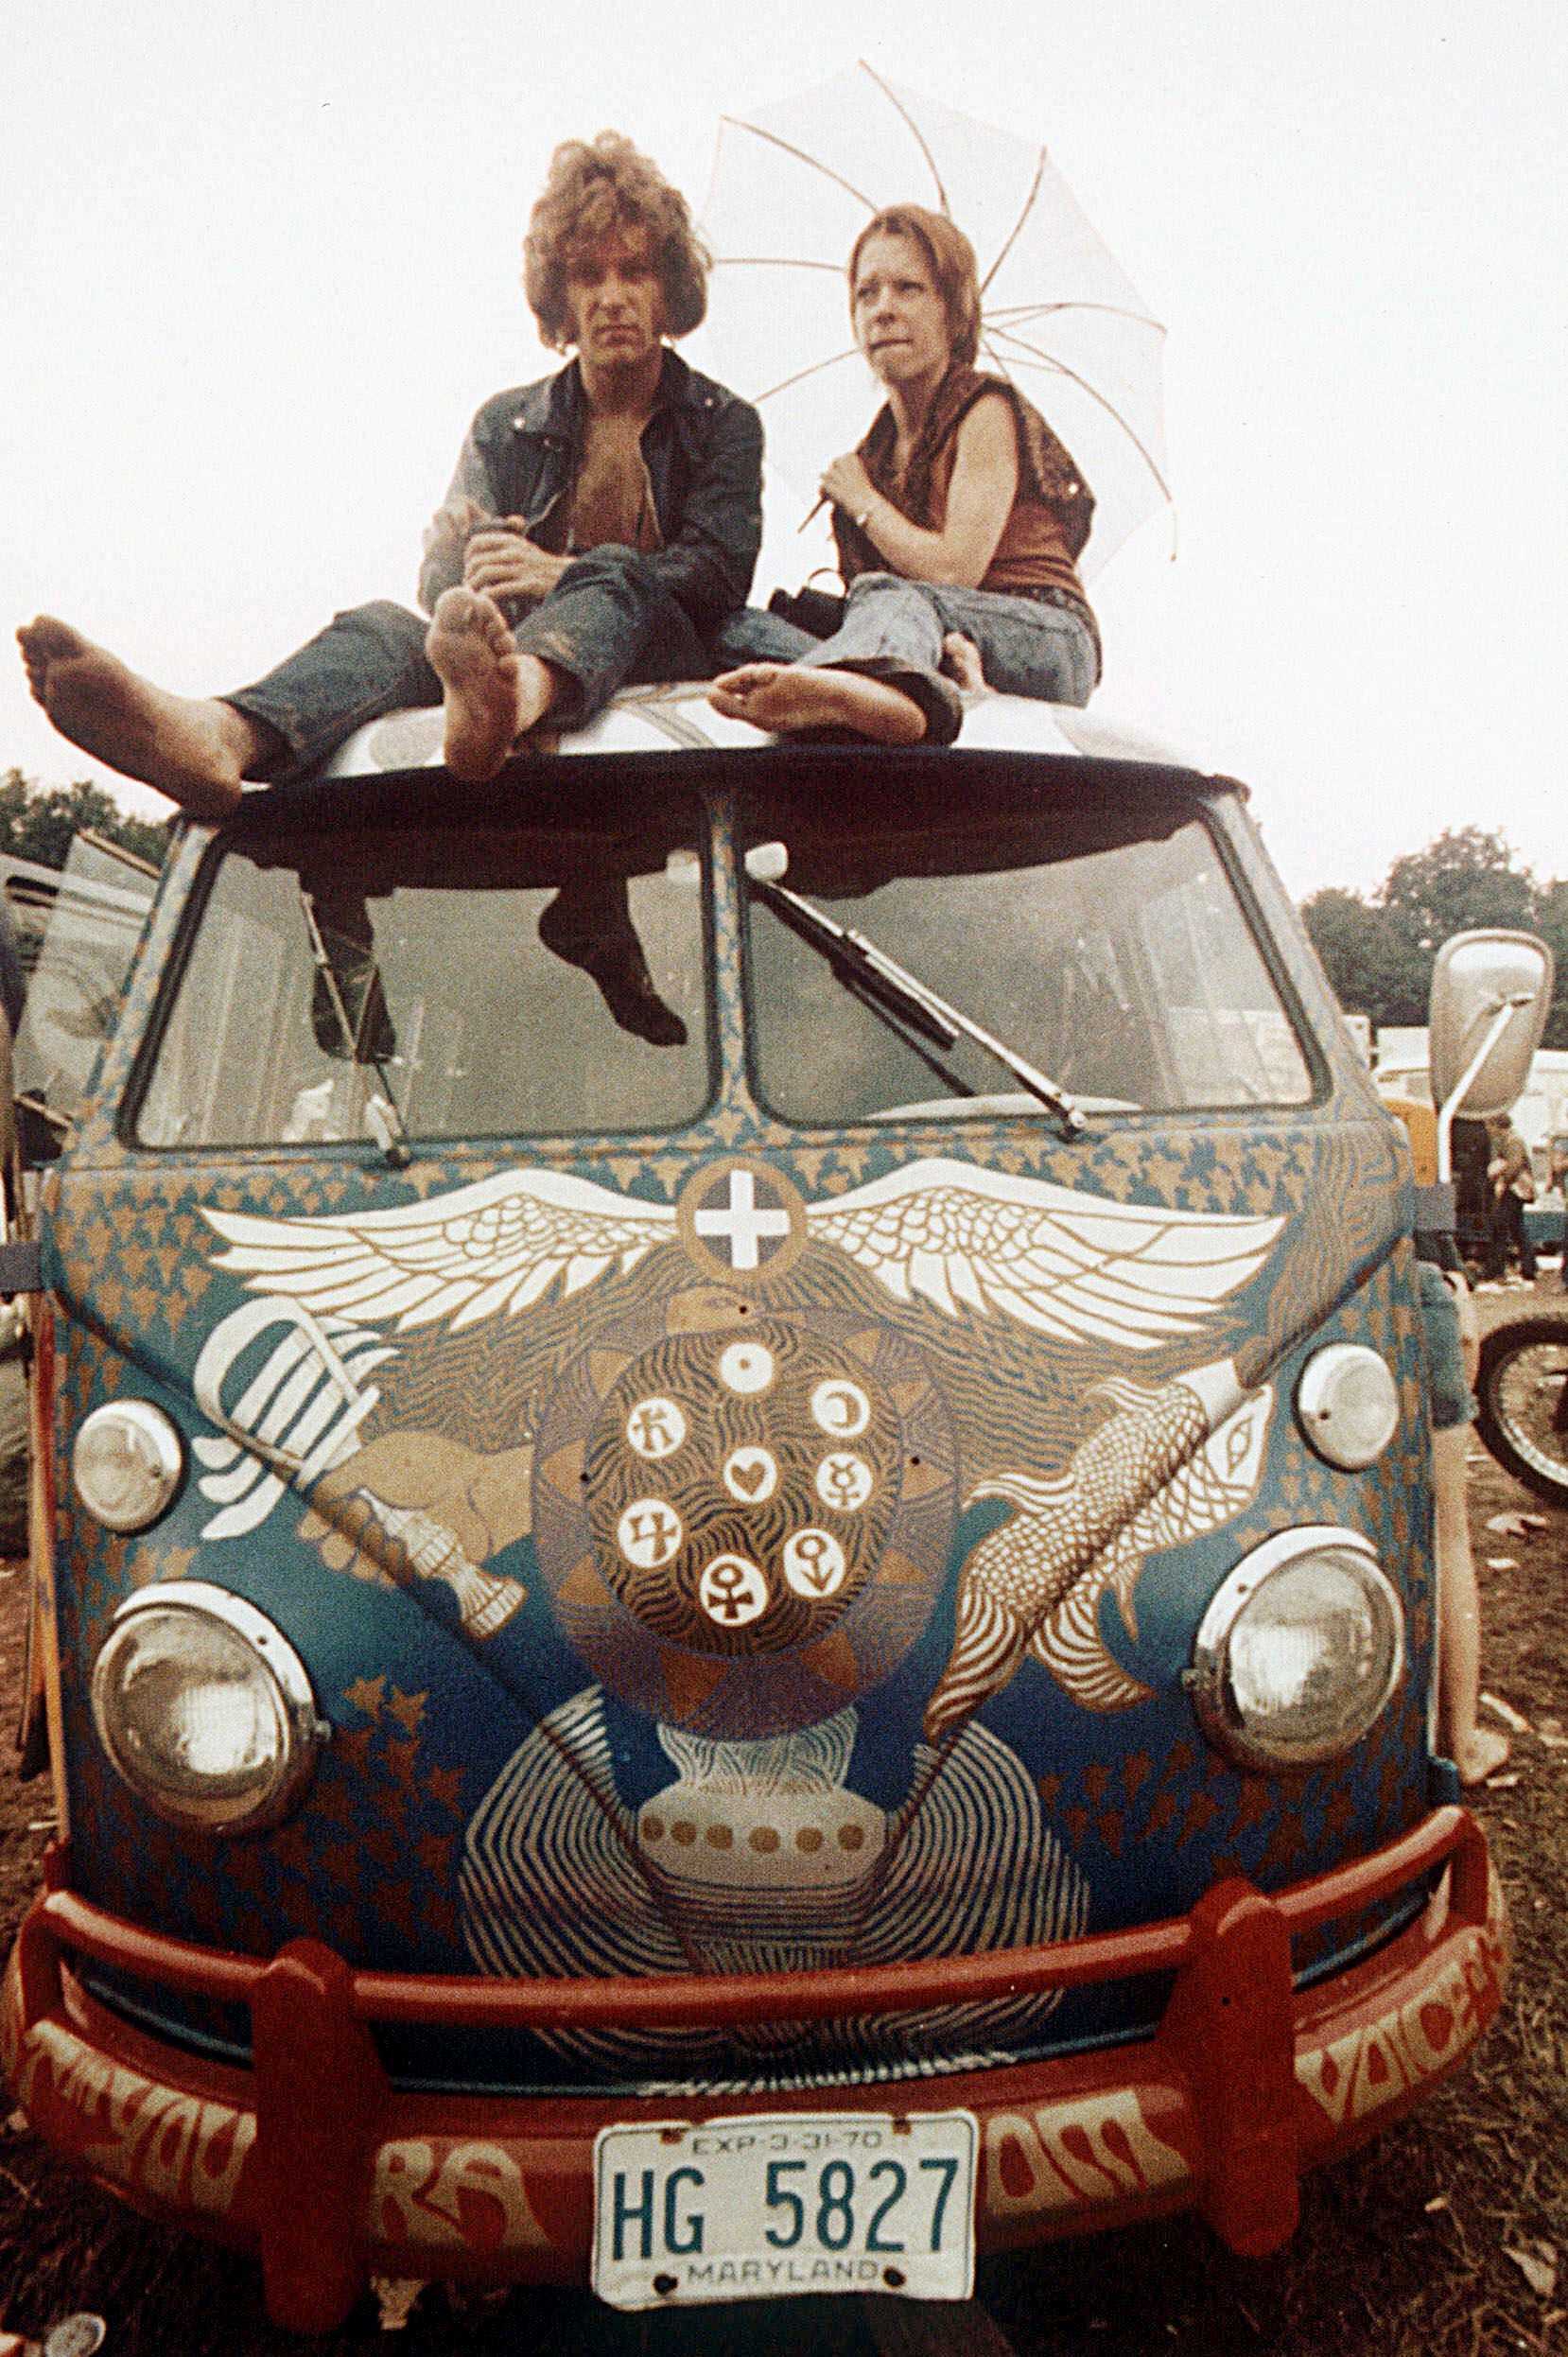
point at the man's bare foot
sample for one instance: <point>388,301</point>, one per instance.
<point>784,697</point>
<point>493,696</point>
<point>589,924</point>
<point>1481,1754</point>
<point>961,661</point>
<point>194,749</point>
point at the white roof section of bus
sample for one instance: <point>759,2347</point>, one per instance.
<point>661,720</point>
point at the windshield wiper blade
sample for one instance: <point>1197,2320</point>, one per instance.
<point>856,963</point>
<point>854,955</point>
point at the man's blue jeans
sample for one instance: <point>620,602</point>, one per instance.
<point>607,621</point>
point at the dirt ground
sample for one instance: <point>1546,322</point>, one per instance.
<point>1448,2237</point>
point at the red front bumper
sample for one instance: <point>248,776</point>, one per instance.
<point>314,2161</point>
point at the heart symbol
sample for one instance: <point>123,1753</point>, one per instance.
<point>749,1477</point>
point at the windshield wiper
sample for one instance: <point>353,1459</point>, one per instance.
<point>857,959</point>
<point>383,1114</point>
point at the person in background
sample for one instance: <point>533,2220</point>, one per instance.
<point>1511,1185</point>
<point>959,522</point>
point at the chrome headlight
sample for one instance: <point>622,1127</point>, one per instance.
<point>206,1708</point>
<point>127,1464</point>
<point>1298,1651</point>
<point>1348,1404</point>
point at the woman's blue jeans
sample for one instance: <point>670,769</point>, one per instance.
<point>1026,648</point>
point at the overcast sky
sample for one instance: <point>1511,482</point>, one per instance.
<point>258,266</point>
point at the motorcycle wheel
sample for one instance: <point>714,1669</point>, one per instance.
<point>1523,1389</point>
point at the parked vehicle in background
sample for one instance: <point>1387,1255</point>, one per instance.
<point>738,1663</point>
<point>92,913</point>
<point>1539,1115</point>
<point>1522,1392</point>
<point>1521,1382</point>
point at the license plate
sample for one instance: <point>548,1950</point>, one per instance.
<point>762,2206</point>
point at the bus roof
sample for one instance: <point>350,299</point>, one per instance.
<point>680,718</point>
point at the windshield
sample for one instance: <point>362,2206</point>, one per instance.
<point>1103,941</point>
<point>463,980</point>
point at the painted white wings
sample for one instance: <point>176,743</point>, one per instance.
<point>1073,1265</point>
<point>482,1250</point>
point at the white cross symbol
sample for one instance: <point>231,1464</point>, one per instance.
<point>742,1225</point>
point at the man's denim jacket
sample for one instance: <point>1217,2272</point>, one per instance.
<point>703,449</point>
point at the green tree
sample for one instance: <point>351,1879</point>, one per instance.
<point>1464,880</point>
<point>1378,951</point>
<point>38,823</point>
<point>1552,925</point>
<point>1367,959</point>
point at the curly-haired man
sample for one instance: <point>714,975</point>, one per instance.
<point>601,525</point>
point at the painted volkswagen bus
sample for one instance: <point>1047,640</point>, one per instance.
<point>732,1539</point>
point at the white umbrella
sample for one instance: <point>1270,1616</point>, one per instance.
<point>792,186</point>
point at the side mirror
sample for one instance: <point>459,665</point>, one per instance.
<point>1490,995</point>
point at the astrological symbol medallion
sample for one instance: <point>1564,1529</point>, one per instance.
<point>648,1534</point>
<point>746,1367</point>
<point>751,1475</point>
<point>732,1591</point>
<point>845,1481</point>
<point>814,1563</point>
<point>657,1428</point>
<point>841,1409</point>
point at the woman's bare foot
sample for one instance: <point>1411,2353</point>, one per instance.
<point>1481,1754</point>
<point>961,661</point>
<point>194,749</point>
<point>493,696</point>
<point>784,697</point>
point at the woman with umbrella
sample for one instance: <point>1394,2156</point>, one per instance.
<point>959,521</point>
